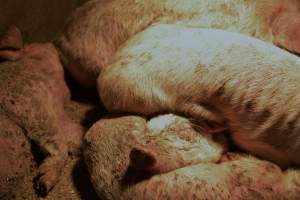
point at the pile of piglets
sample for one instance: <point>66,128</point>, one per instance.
<point>129,157</point>
<point>33,93</point>
<point>124,156</point>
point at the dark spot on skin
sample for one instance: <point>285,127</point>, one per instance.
<point>266,114</point>
<point>220,91</point>
<point>250,105</point>
<point>263,116</point>
<point>275,134</point>
<point>207,106</point>
<point>292,124</point>
<point>278,123</point>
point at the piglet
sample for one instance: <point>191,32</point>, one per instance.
<point>98,28</point>
<point>32,95</point>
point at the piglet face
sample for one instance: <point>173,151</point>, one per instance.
<point>43,52</point>
<point>12,48</point>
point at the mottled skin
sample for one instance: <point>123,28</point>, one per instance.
<point>221,79</point>
<point>98,28</point>
<point>110,142</point>
<point>32,96</point>
<point>16,160</point>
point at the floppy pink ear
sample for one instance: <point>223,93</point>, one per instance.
<point>11,44</point>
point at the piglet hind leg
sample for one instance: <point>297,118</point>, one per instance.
<point>49,172</point>
<point>67,143</point>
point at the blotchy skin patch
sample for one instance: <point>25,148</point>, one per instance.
<point>16,160</point>
<point>32,96</point>
<point>98,28</point>
<point>222,80</point>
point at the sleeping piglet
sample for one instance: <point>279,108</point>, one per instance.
<point>32,96</point>
<point>98,28</point>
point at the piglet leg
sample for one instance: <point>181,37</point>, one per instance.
<point>67,141</point>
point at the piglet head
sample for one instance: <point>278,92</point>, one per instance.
<point>46,53</point>
<point>11,44</point>
<point>12,48</point>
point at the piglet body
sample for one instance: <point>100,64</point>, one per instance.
<point>98,28</point>
<point>32,95</point>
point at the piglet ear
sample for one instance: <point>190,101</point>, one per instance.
<point>11,44</point>
<point>12,39</point>
<point>142,159</point>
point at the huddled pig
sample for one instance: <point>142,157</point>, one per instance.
<point>195,167</point>
<point>98,28</point>
<point>222,80</point>
<point>32,97</point>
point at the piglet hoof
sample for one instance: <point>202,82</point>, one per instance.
<point>48,175</point>
<point>45,182</point>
